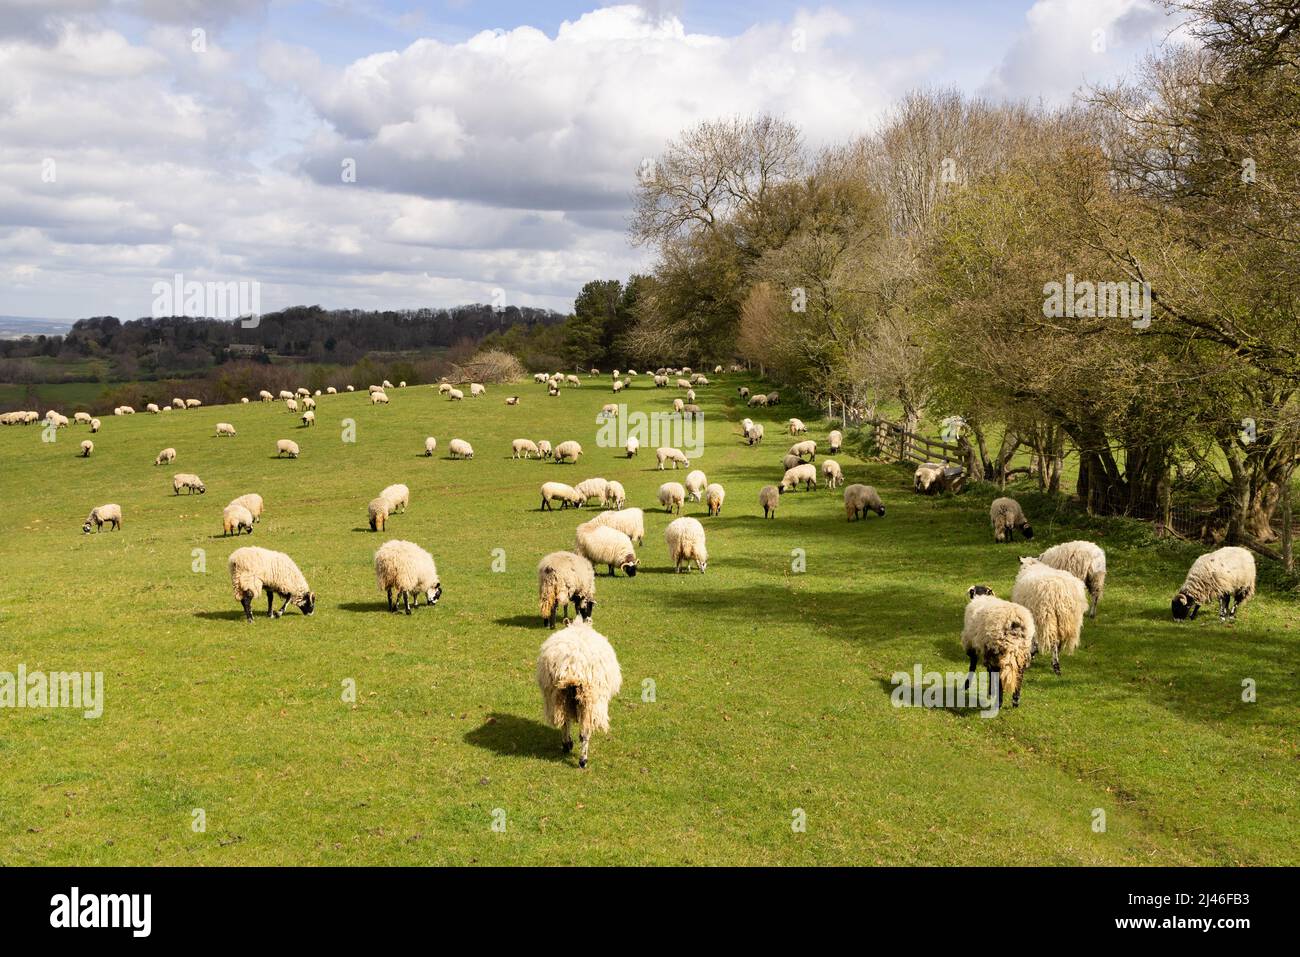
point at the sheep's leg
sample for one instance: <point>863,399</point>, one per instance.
<point>270,604</point>
<point>974,663</point>
<point>585,737</point>
<point>391,606</point>
<point>406,602</point>
<point>1224,601</point>
<point>247,601</point>
<point>283,605</point>
<point>566,739</point>
<point>1056,659</point>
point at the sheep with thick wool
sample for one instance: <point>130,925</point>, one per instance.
<point>544,449</point>
<point>807,448</point>
<point>292,404</point>
<point>565,578</point>
<point>592,488</point>
<point>615,495</point>
<point>566,495</point>
<point>523,449</point>
<point>666,453</point>
<point>833,474</point>
<point>1226,575</point>
<point>569,451</point>
<point>928,477</point>
<point>188,481</point>
<point>835,440</point>
<point>225,428</point>
<point>633,445</point>
<point>806,473</point>
<point>407,569</point>
<point>308,419</point>
<point>769,497</point>
<point>460,449</point>
<point>797,427</point>
<point>94,425</point>
<point>377,512</point>
<point>755,433</point>
<point>695,484</point>
<point>430,445</point>
<point>1006,516</point>
<point>379,398</point>
<point>1003,635</point>
<point>629,521</point>
<point>87,447</point>
<point>476,389</point>
<point>672,496</point>
<point>286,447</point>
<point>605,545</point>
<point>1084,560</point>
<point>1058,601</point>
<point>714,496</point>
<point>685,539</point>
<point>398,497</point>
<point>254,570</point>
<point>102,514</point>
<point>236,518</point>
<point>860,499</point>
<point>578,674</point>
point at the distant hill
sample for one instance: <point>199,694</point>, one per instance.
<point>15,327</point>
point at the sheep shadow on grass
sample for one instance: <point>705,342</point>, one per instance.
<point>236,614</point>
<point>513,736</point>
<point>522,621</point>
<point>972,710</point>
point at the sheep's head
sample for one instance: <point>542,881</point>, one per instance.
<point>433,594</point>
<point>881,511</point>
<point>86,527</point>
<point>1027,530</point>
<point>307,602</point>
<point>1184,607</point>
<point>979,590</point>
<point>629,566</point>
<point>1026,561</point>
<point>585,607</point>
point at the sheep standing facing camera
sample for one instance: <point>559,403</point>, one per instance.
<point>565,578</point>
<point>695,484</point>
<point>408,570</point>
<point>578,674</point>
<point>1226,575</point>
<point>254,569</point>
<point>835,440</point>
<point>430,444</point>
<point>1002,635</point>
<point>1006,516</point>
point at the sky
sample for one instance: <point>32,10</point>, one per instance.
<point>387,154</point>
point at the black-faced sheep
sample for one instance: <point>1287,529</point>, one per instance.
<point>188,481</point>
<point>286,447</point>
<point>565,578</point>
<point>1002,635</point>
<point>1007,516</point>
<point>460,449</point>
<point>111,514</point>
<point>254,569</point>
<point>236,518</point>
<point>1226,575</point>
<point>377,511</point>
<point>769,496</point>
<point>566,495</point>
<point>603,545</point>
<point>860,499</point>
<point>408,570</point>
<point>251,501</point>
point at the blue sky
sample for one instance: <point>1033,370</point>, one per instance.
<point>495,144</point>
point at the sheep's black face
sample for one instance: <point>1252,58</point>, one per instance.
<point>202,489</point>
<point>307,603</point>
<point>85,528</point>
<point>629,569</point>
<point>586,607</point>
<point>881,511</point>
<point>1027,530</point>
<point>434,593</point>
<point>1181,607</point>
<point>978,590</point>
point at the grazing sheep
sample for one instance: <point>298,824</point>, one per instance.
<point>1002,634</point>
<point>187,480</point>
<point>302,391</point>
<point>254,569</point>
<point>615,495</point>
<point>352,388</point>
<point>696,482</point>
<point>835,440</point>
<point>553,391</point>
<point>744,392</point>
<point>377,512</point>
<point>265,396</point>
<point>1006,516</point>
<point>124,410</point>
<point>860,499</point>
<point>512,400</point>
<point>308,403</point>
<point>573,380</point>
<point>251,501</point>
<point>679,406</point>
<point>460,449</point>
<point>165,456</point>
<point>806,473</point>
<point>690,395</point>
<point>94,425</point>
<point>691,411</point>
<point>925,477</point>
<point>236,518</point>
<point>330,390</point>
<point>379,398</point>
<point>683,383</point>
<point>476,389</point>
<point>633,445</point>
<point>565,494</point>
<point>286,447</point>
<point>445,387</point>
<point>1084,560</point>
<point>292,404</point>
<point>714,496</point>
<point>1226,574</point>
<point>87,447</point>
<point>225,428</point>
<point>672,496</point>
<point>797,427</point>
<point>757,400</point>
<point>112,514</point>
<point>577,672</point>
<point>565,578</point>
<point>806,448</point>
<point>791,461</point>
<point>609,411</point>
<point>619,385</point>
<point>604,545</point>
<point>180,403</point>
<point>666,453</point>
<point>685,538</point>
<point>61,421</point>
<point>544,449</point>
<point>568,452</point>
<point>1058,601</point>
<point>592,488</point>
<point>756,433</point>
<point>430,443</point>
<point>629,521</point>
<point>386,385</point>
<point>832,472</point>
<point>523,448</point>
<point>81,418</point>
<point>406,568</point>
<point>769,496</point>
<point>774,398</point>
<point>398,497</point>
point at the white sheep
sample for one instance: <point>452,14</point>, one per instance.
<point>330,390</point>
<point>352,388</point>
<point>679,406</point>
<point>755,433</point>
<point>806,448</point>
<point>769,496</point>
<point>265,396</point>
<point>188,481</point>
<point>757,400</point>
<point>445,387</point>
<point>806,473</point>
<point>379,398</point>
<point>578,673</point>
<point>1006,515</point>
<point>112,514</point>
<point>94,425</point>
<point>81,418</point>
<point>672,496</point>
<point>615,495</point>
<point>408,570</point>
<point>696,482</point>
<point>629,521</point>
<point>1002,634</point>
<point>225,428</point>
<point>254,569</point>
<point>292,405</point>
<point>566,495</point>
<point>455,395</point>
<point>685,538</point>
<point>286,447</point>
<point>565,578</point>
<point>592,488</point>
<point>604,545</point>
<point>243,400</point>
<point>235,518</point>
<point>633,445</point>
<point>860,499</point>
<point>568,451</point>
<point>1226,574</point>
<point>619,385</point>
<point>377,513</point>
<point>608,411</point>
<point>797,427</point>
<point>544,448</point>
<point>523,448</point>
<point>387,384</point>
<point>927,477</point>
<point>87,447</point>
<point>714,496</point>
<point>398,497</point>
<point>430,444</point>
<point>308,404</point>
<point>666,453</point>
<point>1058,601</point>
<point>476,389</point>
<point>179,403</point>
<point>1084,560</point>
<point>460,449</point>
<point>832,472</point>
<point>251,501</point>
<point>835,440</point>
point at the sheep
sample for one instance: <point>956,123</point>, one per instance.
<point>523,448</point>
<point>377,512</point>
<point>769,496</point>
<point>666,453</point>
<point>661,381</point>
<point>565,494</point>
<point>592,488</point>
<point>1085,561</point>
<point>236,518</point>
<point>685,538</point>
<point>352,388</point>
<point>460,449</point>
<point>225,428</point>
<point>797,427</point>
<point>165,456</point>
<point>615,495</point>
<point>397,496</point>
<point>292,404</point>
<point>126,410</point>
<point>476,389</point>
<point>573,380</point>
<point>774,398</point>
<point>386,385</point>
<point>927,478</point>
<point>430,444</point>
<point>402,384</point>
<point>835,440</point>
<point>1227,574</point>
<point>756,433</point>
<point>807,447</point>
<point>243,400</point>
<point>577,672</point>
<point>308,403</point>
<point>605,545</point>
<point>94,425</point>
<point>832,472</point>
<point>633,445</point>
<point>860,499</point>
<point>690,395</point>
<point>302,391</point>
<point>1006,516</point>
<point>568,452</point>
<point>691,411</point>
<point>189,481</point>
<point>544,449</point>
<point>58,421</point>
<point>806,473</point>
<point>87,447</point>
<point>265,396</point>
<point>619,385</point>
<point>714,496</point>
<point>1003,635</point>
<point>178,403</point>
<point>81,418</point>
<point>1057,600</point>
<point>629,521</point>
<point>330,390</point>
<point>286,447</point>
<point>565,578</point>
<point>609,411</point>
<point>406,568</point>
<point>672,496</point>
<point>112,514</point>
<point>679,406</point>
<point>379,398</point>
<point>251,501</point>
<point>695,483</point>
<point>254,569</point>
<point>445,387</point>
<point>791,461</point>
<point>744,392</point>
<point>757,401</point>
<point>683,383</point>
<point>512,400</point>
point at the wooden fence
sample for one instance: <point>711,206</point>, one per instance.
<point>897,443</point>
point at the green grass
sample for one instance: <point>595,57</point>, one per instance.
<point>772,687</point>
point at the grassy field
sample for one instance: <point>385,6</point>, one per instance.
<point>772,687</point>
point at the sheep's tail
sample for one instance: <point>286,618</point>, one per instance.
<point>561,705</point>
<point>1066,626</point>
